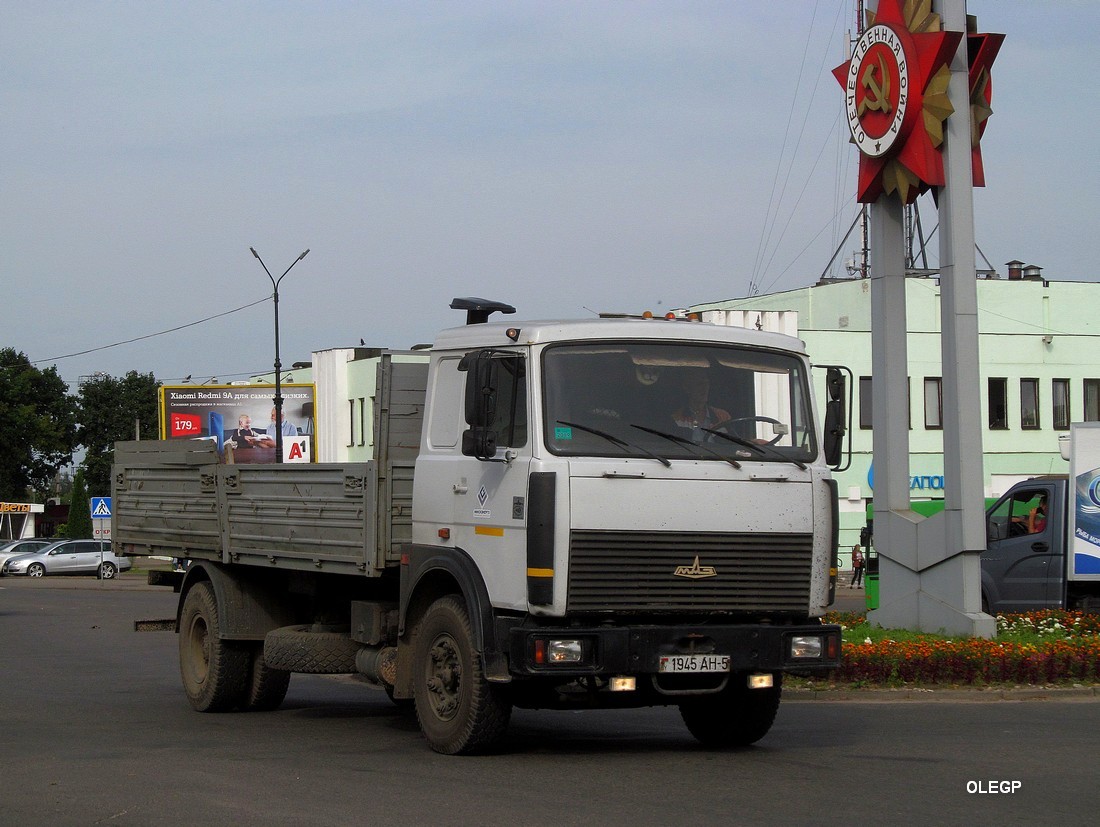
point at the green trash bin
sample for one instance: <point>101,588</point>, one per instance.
<point>870,580</point>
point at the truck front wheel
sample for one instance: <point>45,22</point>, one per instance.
<point>736,717</point>
<point>459,711</point>
<point>215,672</point>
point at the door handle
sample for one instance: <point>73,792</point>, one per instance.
<point>1039,547</point>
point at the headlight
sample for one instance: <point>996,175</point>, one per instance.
<point>566,651</point>
<point>806,647</point>
<point>557,651</point>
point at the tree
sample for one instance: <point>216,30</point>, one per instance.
<point>79,526</point>
<point>37,426</point>
<point>107,409</point>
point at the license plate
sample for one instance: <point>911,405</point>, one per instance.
<point>695,663</point>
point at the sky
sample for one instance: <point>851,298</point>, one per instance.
<point>568,158</point>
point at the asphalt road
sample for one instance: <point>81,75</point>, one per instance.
<point>94,729</point>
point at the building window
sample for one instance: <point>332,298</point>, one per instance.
<point>362,420</point>
<point>933,403</point>
<point>1059,392</point>
<point>1092,400</point>
<point>865,422</point>
<point>351,423</point>
<point>998,404</point>
<point>1029,404</point>
<point>865,403</point>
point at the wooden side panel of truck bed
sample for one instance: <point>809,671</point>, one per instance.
<point>164,500</point>
<point>176,499</point>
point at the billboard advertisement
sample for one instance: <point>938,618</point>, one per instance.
<point>240,419</point>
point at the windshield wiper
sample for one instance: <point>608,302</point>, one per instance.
<point>682,441</point>
<point>616,441</point>
<point>764,450</point>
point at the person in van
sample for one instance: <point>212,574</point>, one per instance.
<point>1037,517</point>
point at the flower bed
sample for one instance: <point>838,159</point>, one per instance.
<point>1035,648</point>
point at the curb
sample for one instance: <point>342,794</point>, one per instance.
<point>953,695</point>
<point>124,581</point>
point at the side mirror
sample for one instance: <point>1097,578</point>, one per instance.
<point>480,404</point>
<point>835,417</point>
<point>479,442</point>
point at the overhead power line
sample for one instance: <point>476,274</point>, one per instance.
<point>150,335</point>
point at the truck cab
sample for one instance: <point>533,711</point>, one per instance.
<point>633,473</point>
<point>637,512</point>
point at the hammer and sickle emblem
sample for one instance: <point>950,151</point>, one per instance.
<point>877,98</point>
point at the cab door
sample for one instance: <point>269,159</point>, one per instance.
<point>1021,566</point>
<point>490,478</point>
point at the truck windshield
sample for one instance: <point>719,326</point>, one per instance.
<point>717,403</point>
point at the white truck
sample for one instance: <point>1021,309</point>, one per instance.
<point>554,517</point>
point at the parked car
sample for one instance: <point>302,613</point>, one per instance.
<point>69,557</point>
<point>14,548</point>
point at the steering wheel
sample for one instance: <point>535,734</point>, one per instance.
<point>725,426</point>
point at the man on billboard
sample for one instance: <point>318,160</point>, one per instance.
<point>287,427</point>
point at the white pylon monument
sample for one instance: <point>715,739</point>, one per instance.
<point>917,99</point>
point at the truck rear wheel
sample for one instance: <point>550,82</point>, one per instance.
<point>214,671</point>
<point>266,687</point>
<point>736,717</point>
<point>459,711</point>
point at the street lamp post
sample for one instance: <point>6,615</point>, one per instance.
<point>278,365</point>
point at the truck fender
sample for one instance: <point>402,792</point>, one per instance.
<point>248,606</point>
<point>428,572</point>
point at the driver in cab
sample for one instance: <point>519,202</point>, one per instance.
<point>696,411</point>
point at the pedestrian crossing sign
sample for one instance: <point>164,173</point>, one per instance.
<point>101,508</point>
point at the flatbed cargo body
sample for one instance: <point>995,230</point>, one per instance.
<point>314,516</point>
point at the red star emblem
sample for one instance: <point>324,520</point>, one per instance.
<point>896,91</point>
<point>982,51</point>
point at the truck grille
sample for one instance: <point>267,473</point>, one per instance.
<point>634,571</point>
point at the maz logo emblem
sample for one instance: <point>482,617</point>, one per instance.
<point>695,571</point>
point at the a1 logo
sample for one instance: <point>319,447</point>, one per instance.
<point>296,450</point>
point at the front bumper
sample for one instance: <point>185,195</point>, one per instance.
<point>637,650</point>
